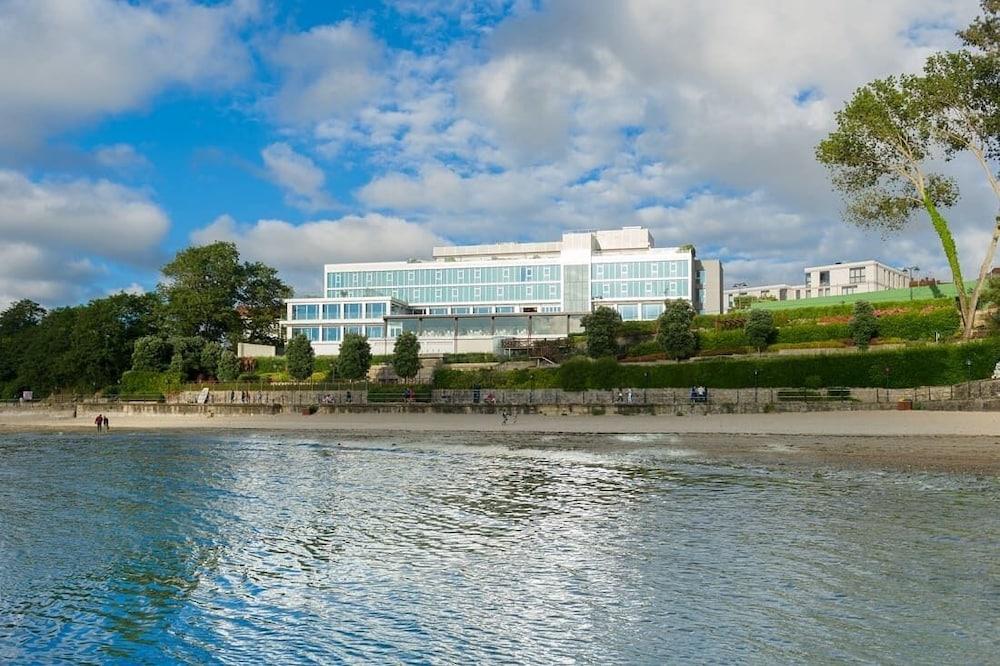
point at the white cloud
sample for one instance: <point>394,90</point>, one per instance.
<point>57,235</point>
<point>329,71</point>
<point>298,175</point>
<point>300,250</point>
<point>121,157</point>
<point>67,62</point>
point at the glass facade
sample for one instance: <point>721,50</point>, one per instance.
<point>311,333</point>
<point>331,311</point>
<point>436,284</point>
<point>305,311</point>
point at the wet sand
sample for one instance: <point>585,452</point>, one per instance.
<point>912,441</point>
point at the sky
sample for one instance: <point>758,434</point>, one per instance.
<point>318,132</point>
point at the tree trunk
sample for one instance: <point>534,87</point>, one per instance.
<point>948,244</point>
<point>984,270</point>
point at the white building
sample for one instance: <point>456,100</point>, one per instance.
<point>470,298</point>
<point>843,278</point>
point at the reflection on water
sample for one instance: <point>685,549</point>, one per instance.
<point>250,549</point>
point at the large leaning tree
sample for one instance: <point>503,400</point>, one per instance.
<point>890,133</point>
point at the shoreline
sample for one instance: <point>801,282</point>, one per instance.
<point>954,442</point>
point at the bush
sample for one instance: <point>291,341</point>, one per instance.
<point>228,367</point>
<point>644,348</point>
<point>674,332</point>
<point>151,353</point>
<point>147,382</point>
<point>603,326</point>
<point>920,324</point>
<point>248,378</point>
<point>863,326</point>
<point>355,357</point>
<point>722,339</point>
<point>759,329</point>
<point>300,357</point>
<point>469,357</point>
<point>406,355</point>
<point>792,334</point>
<point>919,365</point>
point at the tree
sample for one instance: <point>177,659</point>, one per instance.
<point>209,293</point>
<point>261,302</point>
<point>879,158</point>
<point>759,329</point>
<point>674,332</point>
<point>186,355</point>
<point>602,326</point>
<point>355,357</point>
<point>886,137</point>
<point>209,359</point>
<point>300,357</point>
<point>863,324</point>
<point>406,355</point>
<point>228,367</point>
<point>152,353</point>
<point>23,314</point>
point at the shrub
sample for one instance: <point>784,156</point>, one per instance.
<point>406,355</point>
<point>863,326</point>
<point>574,374</point>
<point>186,356</point>
<point>674,332</point>
<point>228,367</point>
<point>603,326</point>
<point>300,357</point>
<point>209,359</point>
<point>147,382</point>
<point>355,357</point>
<point>151,353</point>
<point>644,348</point>
<point>722,339</point>
<point>759,329</point>
<point>811,332</point>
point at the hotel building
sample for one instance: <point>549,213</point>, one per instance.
<point>470,298</point>
<point>838,279</point>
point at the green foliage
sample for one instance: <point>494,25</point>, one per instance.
<point>920,325</point>
<point>863,326</point>
<point>300,357</point>
<point>811,333</point>
<point>209,361</point>
<point>674,333</point>
<point>228,367</point>
<point>920,365</point>
<point>185,359</point>
<point>152,353</point>
<point>146,382</point>
<point>406,355</point>
<point>644,348</point>
<point>355,357</point>
<point>759,329</point>
<point>470,357</point>
<point>209,293</point>
<point>603,326</point>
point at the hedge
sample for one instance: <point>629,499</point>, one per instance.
<point>148,382</point>
<point>913,366</point>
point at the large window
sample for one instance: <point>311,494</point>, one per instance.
<point>438,328</point>
<point>629,312</point>
<point>305,311</point>
<point>331,334</point>
<point>475,326</point>
<point>355,330</point>
<point>374,310</point>
<point>511,326</point>
<point>352,310</point>
<point>311,333</point>
<point>857,275</point>
<point>652,310</point>
<point>331,311</point>
<point>375,331</point>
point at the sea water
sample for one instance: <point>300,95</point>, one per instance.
<point>256,548</point>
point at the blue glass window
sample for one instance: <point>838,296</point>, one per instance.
<point>629,312</point>
<point>311,333</point>
<point>331,311</point>
<point>460,310</point>
<point>331,334</point>
<point>305,312</point>
<point>356,330</point>
<point>652,310</point>
<point>374,310</point>
<point>375,332</point>
<point>352,310</point>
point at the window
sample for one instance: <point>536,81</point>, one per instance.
<point>437,311</point>
<point>506,274</point>
<point>848,290</point>
<point>808,279</point>
<point>438,294</point>
<point>600,270</point>
<point>824,278</point>
<point>460,310</point>
<point>501,309</point>
<point>477,274</point>
<point>551,308</point>
<point>331,334</point>
<point>547,272</point>
<point>477,292</point>
<point>653,310</point>
<point>374,310</point>
<point>311,333</point>
<point>331,311</point>
<point>356,330</point>
<point>395,329</point>
<point>482,309</point>
<point>352,310</point>
<point>654,270</point>
<point>305,311</point>
<point>629,312</point>
<point>375,331</point>
<point>529,292</point>
<point>856,276</point>
<point>437,276</point>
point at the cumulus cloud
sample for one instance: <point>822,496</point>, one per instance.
<point>120,157</point>
<point>300,250</point>
<point>66,63</point>
<point>56,235</point>
<point>298,175</point>
<point>328,71</point>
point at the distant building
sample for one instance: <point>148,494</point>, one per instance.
<point>843,278</point>
<point>470,298</point>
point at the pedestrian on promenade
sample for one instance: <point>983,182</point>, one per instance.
<point>99,421</point>
<point>107,427</point>
<point>630,396</point>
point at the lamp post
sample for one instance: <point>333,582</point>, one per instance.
<point>756,372</point>
<point>968,375</point>
<point>887,371</point>
<point>645,387</point>
<point>910,270</point>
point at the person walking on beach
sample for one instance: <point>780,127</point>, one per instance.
<point>99,421</point>
<point>107,427</point>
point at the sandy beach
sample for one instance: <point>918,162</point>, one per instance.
<point>967,442</point>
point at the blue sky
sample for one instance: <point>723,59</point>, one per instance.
<point>313,132</point>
